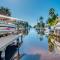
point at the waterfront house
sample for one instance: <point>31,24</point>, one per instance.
<point>6,24</point>
<point>7,48</point>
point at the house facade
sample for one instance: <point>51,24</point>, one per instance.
<point>6,24</point>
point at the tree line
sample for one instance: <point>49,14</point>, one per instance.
<point>51,21</point>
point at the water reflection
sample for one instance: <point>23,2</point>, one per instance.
<point>32,45</point>
<point>54,43</point>
<point>40,33</point>
<point>25,32</point>
<point>35,43</point>
<point>50,43</point>
<point>31,57</point>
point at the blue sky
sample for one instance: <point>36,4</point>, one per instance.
<point>31,10</point>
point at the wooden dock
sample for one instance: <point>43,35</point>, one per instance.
<point>5,41</point>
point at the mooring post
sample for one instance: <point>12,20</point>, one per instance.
<point>21,38</point>
<point>3,54</point>
<point>0,55</point>
<point>18,48</point>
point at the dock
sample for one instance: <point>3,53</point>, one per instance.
<point>6,42</point>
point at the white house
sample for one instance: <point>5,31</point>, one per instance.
<point>6,24</point>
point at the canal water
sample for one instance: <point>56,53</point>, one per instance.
<point>34,45</point>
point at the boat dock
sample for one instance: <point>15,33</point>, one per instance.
<point>5,42</point>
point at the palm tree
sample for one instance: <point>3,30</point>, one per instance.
<point>17,25</point>
<point>52,17</point>
<point>5,11</point>
<point>41,22</point>
<point>41,18</point>
<point>51,12</point>
<point>21,24</point>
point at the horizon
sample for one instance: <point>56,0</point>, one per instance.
<point>30,10</point>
